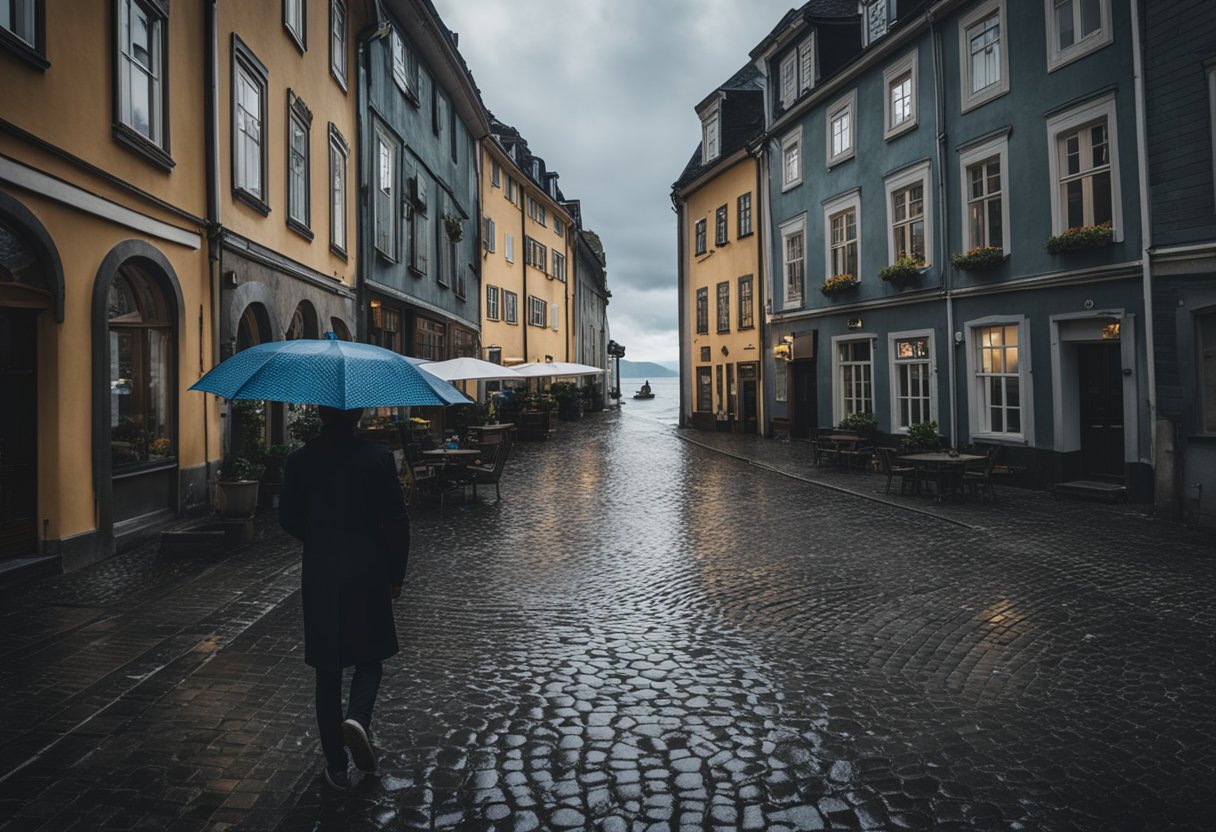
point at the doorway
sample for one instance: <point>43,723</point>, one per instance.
<point>747,398</point>
<point>804,419</point>
<point>1100,376</point>
<point>18,434</point>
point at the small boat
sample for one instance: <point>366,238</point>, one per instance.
<point>644,393</point>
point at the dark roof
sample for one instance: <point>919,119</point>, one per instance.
<point>811,10</point>
<point>741,118</point>
<point>516,146</point>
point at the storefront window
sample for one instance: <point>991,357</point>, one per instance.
<point>141,361</point>
<point>429,340</point>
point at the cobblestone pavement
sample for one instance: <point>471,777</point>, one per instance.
<point>648,633</point>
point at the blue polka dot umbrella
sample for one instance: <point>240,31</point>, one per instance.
<point>336,373</point>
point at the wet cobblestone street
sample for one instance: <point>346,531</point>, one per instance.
<point>649,633</point>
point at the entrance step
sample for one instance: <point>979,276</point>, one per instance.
<point>215,537</point>
<point>1108,492</point>
<point>19,570</point>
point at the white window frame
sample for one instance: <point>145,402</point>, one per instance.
<point>296,121</point>
<point>838,409</point>
<point>1025,387</point>
<point>508,246</point>
<point>711,133</point>
<point>788,229</point>
<point>897,182</point>
<point>338,154</point>
<point>847,103</point>
<point>831,208</point>
<point>904,66</point>
<point>787,79</point>
<point>999,148</point>
<point>246,142</point>
<point>896,363</point>
<point>385,202</point>
<point>1057,125</point>
<point>492,294</point>
<point>806,64</point>
<point>1104,36</point>
<point>792,141</point>
<point>982,12</point>
<point>339,40</point>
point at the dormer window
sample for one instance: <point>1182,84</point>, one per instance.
<point>711,134</point>
<point>876,16</point>
<point>797,72</point>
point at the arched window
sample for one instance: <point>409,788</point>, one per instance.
<point>339,329</point>
<point>303,323</point>
<point>141,378</point>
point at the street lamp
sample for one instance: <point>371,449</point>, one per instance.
<point>616,351</point>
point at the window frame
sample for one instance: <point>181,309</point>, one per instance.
<point>907,65</point>
<point>32,52</point>
<point>299,114</point>
<point>1025,383</point>
<point>300,38</point>
<point>1057,57</point>
<point>786,230</point>
<point>538,312</point>
<point>489,234</point>
<point>722,307</point>
<point>510,307</point>
<point>338,63</point>
<point>699,236</point>
<point>244,61</point>
<point>705,382</point>
<point>155,150</point>
<point>743,209</point>
<point>746,303</point>
<point>850,200</point>
<point>968,99</point>
<point>838,397</point>
<point>970,157</point>
<point>406,80</point>
<point>338,148</point>
<point>387,147</point>
<point>807,69</point>
<point>702,310</point>
<point>721,226</point>
<point>558,262</point>
<point>792,140</point>
<point>492,301</point>
<point>711,128</point>
<point>893,338</point>
<point>845,104</point>
<point>788,67</point>
<point>899,181</point>
<point>1067,121</point>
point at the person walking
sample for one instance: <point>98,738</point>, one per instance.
<point>341,497</point>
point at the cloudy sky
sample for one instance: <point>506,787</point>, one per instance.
<point>604,91</point>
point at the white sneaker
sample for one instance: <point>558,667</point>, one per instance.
<point>360,746</point>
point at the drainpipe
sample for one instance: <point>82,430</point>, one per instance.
<point>523,262</point>
<point>686,362</point>
<point>1146,230</point>
<point>939,99</point>
<point>758,302</point>
<point>214,220</point>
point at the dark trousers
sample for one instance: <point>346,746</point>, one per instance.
<point>364,685</point>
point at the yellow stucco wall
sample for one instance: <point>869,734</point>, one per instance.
<point>738,257</point>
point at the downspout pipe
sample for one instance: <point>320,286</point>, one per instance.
<point>523,262</point>
<point>1146,229</point>
<point>761,284</point>
<point>939,99</point>
<point>215,226</point>
<point>686,378</point>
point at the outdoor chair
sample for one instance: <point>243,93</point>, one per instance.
<point>823,449</point>
<point>490,471</point>
<point>887,461</point>
<point>979,480</point>
<point>856,456</point>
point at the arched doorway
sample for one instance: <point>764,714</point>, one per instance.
<point>339,329</point>
<point>303,323</point>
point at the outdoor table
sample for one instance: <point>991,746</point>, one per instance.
<point>941,462</point>
<point>493,434</point>
<point>452,456</point>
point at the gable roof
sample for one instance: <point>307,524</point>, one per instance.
<point>740,119</point>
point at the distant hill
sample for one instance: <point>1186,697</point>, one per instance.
<point>645,369</point>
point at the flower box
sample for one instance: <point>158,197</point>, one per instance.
<point>904,269</point>
<point>838,283</point>
<point>1076,239</point>
<point>979,259</point>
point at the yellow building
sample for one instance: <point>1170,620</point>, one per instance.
<point>720,274</point>
<point>527,266</point>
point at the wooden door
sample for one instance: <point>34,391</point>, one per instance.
<point>1101,378</point>
<point>803,399</point>
<point>18,434</point>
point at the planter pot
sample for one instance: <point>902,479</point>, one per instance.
<point>979,260</point>
<point>236,499</point>
<point>536,424</point>
<point>1079,239</point>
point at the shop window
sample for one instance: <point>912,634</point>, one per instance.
<point>142,365</point>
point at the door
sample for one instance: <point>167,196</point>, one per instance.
<point>1100,374</point>
<point>804,403</point>
<point>18,434</point>
<point>747,415</point>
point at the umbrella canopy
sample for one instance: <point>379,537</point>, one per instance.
<point>469,369</point>
<point>555,368</point>
<point>336,373</point>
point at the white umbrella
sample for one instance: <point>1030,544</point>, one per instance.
<point>468,369</point>
<point>556,369</point>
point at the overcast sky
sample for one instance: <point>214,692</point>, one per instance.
<point>604,91</point>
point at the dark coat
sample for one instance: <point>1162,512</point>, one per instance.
<point>341,497</point>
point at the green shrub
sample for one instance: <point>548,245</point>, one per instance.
<point>922,436</point>
<point>859,422</point>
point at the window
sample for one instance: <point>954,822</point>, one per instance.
<point>22,19</point>
<point>249,127</point>
<point>402,74</point>
<point>385,327</point>
<point>142,97</point>
<point>705,390</point>
<point>840,129</point>
<point>711,134</point>
<point>535,254</point>
<point>899,114</point>
<point>789,79</point>
<point>806,64</point>
<point>781,380</point>
<point>983,55</point>
<point>793,247</point>
<point>337,190</point>
<point>559,227</point>
<point>489,234</point>
<point>706,355</point>
<point>508,244</point>
<point>439,113</point>
<point>1075,28</point>
<point>985,198</point>
<point>495,175</point>
<point>720,226</point>
<point>998,382</point>
<point>840,216</point>
<point>492,303</point>
<point>422,235</point>
<point>385,204</point>
<point>538,311</point>
<point>337,41</point>
<point>464,343</point>
<point>703,311</point>
<point>791,160</point>
<point>1206,324</point>
<point>908,214</point>
<point>299,122</point>
<point>1083,162</point>
<point>510,307</point>
<point>876,19</point>
<point>142,364</point>
<point>294,12</point>
<point>511,188</point>
<point>723,308</point>
<point>559,267</point>
<point>536,211</point>
<point>554,316</point>
<point>746,315</point>
<point>854,377</point>
<point>700,235</point>
<point>743,208</point>
<point>911,377</point>
<point>429,339</point>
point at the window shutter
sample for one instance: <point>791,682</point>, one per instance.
<point>806,61</point>
<point>789,81</point>
<point>553,310</point>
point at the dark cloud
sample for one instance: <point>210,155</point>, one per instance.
<point>604,90</point>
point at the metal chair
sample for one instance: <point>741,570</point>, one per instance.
<point>886,459</point>
<point>489,473</point>
<point>979,481</point>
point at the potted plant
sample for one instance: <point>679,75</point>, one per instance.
<point>1076,239</point>
<point>905,269</point>
<point>537,416</point>
<point>979,259</point>
<point>838,283</point>
<point>273,461</point>
<point>454,228</point>
<point>593,398</point>
<point>569,402</point>
<point>236,491</point>
<point>922,436</point>
<point>864,423</point>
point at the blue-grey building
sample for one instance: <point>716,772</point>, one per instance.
<point>421,118</point>
<point>1180,102</point>
<point>954,225</point>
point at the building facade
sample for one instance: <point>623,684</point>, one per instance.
<point>105,296</point>
<point>719,263</point>
<point>591,296</point>
<point>956,231</point>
